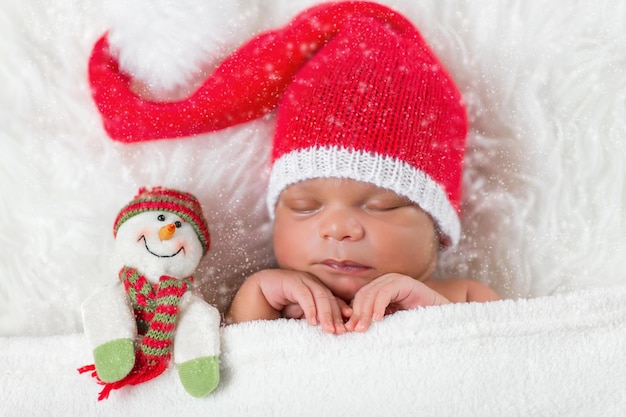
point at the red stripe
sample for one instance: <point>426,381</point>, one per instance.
<point>147,315</point>
<point>141,299</point>
<point>167,309</point>
<point>172,291</point>
<point>162,327</point>
<point>156,344</point>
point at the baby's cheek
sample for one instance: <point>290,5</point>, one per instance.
<point>287,255</point>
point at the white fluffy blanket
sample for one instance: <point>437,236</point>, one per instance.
<point>552,356</point>
<point>543,215</point>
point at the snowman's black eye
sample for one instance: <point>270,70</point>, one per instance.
<point>161,218</point>
<point>178,225</point>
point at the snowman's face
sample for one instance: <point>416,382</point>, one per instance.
<point>159,243</point>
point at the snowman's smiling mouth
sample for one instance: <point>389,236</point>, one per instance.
<point>145,243</point>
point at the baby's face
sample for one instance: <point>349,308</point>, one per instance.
<point>348,233</point>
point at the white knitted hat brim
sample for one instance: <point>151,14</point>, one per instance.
<point>382,171</point>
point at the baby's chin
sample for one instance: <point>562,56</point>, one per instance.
<point>346,287</point>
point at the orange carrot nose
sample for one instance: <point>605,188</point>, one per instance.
<point>166,232</point>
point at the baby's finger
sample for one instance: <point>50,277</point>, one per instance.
<point>326,308</point>
<point>359,321</point>
<point>305,299</point>
<point>369,305</point>
<point>337,310</point>
<point>382,300</point>
<point>332,313</point>
<point>345,309</point>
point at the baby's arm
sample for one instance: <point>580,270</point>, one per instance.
<point>267,293</point>
<point>395,291</point>
<point>250,303</point>
<point>463,290</point>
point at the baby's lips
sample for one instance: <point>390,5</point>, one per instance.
<point>345,265</point>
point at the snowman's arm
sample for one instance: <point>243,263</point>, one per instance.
<point>108,315</point>
<point>197,331</point>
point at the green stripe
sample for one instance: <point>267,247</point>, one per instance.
<point>156,352</point>
<point>164,318</point>
<point>158,335</point>
<point>169,300</point>
<point>170,283</point>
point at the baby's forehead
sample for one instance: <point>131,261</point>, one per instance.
<point>341,185</point>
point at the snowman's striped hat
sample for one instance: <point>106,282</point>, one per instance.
<point>183,204</point>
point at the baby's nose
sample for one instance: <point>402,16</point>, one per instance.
<point>340,226</point>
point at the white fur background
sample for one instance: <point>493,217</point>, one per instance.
<point>545,179</point>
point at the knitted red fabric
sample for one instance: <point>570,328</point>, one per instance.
<point>246,85</point>
<point>373,90</point>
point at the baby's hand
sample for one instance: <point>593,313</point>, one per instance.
<point>299,294</point>
<point>393,291</point>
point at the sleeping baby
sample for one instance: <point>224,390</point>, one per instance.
<point>365,181</point>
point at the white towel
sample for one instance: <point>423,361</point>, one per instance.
<point>550,356</point>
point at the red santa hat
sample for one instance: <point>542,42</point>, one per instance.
<point>360,95</point>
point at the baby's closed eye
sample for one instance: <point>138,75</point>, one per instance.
<point>303,205</point>
<point>386,204</point>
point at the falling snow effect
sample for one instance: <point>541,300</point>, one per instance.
<point>543,182</point>
<point>543,213</point>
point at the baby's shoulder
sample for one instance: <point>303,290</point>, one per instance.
<point>459,290</point>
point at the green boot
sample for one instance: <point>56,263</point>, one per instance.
<point>200,376</point>
<point>115,359</point>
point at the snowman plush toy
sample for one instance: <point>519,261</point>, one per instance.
<point>151,315</point>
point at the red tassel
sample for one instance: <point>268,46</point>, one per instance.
<point>87,368</point>
<point>143,371</point>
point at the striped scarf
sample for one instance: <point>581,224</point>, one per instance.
<point>156,310</point>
